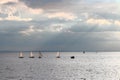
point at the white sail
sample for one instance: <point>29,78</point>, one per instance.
<point>20,55</point>
<point>31,55</point>
<point>58,55</point>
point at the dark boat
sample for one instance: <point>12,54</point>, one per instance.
<point>40,55</point>
<point>83,52</point>
<point>72,57</point>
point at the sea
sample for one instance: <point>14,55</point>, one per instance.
<point>84,66</point>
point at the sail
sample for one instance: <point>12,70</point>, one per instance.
<point>31,55</point>
<point>58,55</point>
<point>20,55</point>
<point>40,54</point>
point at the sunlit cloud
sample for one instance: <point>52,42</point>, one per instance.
<point>117,23</point>
<point>62,15</point>
<point>103,22</point>
<point>36,11</point>
<point>98,21</point>
<point>1,19</point>
<point>18,12</point>
<point>15,18</point>
<point>6,1</point>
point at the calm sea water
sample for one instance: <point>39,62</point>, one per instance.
<point>88,66</point>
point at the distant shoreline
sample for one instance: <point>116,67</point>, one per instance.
<point>53,51</point>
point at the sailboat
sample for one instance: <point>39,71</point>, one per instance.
<point>21,55</point>
<point>31,55</point>
<point>40,55</point>
<point>58,55</point>
<point>83,52</point>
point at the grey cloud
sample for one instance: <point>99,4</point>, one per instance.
<point>10,3</point>
<point>40,3</point>
<point>94,8</point>
<point>83,27</point>
<point>52,5</point>
<point>77,42</point>
<point>107,15</point>
<point>64,41</point>
<point>99,1</point>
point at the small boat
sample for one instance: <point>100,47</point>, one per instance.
<point>31,55</point>
<point>83,52</point>
<point>40,55</point>
<point>21,55</point>
<point>72,57</point>
<point>58,55</point>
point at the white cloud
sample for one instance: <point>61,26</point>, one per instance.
<point>6,1</point>
<point>61,15</point>
<point>98,21</point>
<point>1,19</point>
<point>35,11</point>
<point>18,11</point>
<point>117,23</point>
<point>8,10</point>
<point>103,22</point>
<point>55,28</point>
<point>15,18</point>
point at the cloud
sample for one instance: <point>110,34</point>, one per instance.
<point>18,12</point>
<point>7,1</point>
<point>61,15</point>
<point>40,3</point>
<point>35,38</point>
<point>28,31</point>
<point>36,11</point>
<point>98,21</point>
<point>117,23</point>
<point>55,28</point>
<point>1,19</point>
<point>103,22</point>
<point>31,30</point>
<point>64,24</point>
<point>15,18</point>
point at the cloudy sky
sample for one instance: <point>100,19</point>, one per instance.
<point>69,25</point>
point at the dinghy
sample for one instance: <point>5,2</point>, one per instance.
<point>83,52</point>
<point>40,55</point>
<point>58,55</point>
<point>72,57</point>
<point>21,55</point>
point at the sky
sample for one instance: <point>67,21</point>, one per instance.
<point>64,25</point>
